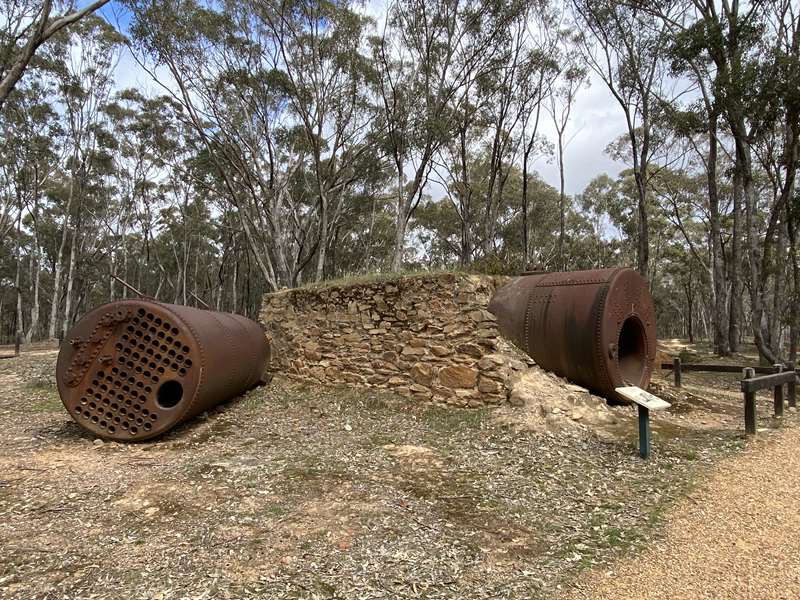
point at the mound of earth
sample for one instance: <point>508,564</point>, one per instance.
<point>541,401</point>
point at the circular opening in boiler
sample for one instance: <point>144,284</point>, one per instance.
<point>169,394</point>
<point>632,351</point>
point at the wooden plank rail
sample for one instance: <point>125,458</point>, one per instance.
<point>774,377</point>
<point>17,344</point>
<point>678,367</point>
<point>752,384</point>
<point>715,368</point>
<point>755,384</point>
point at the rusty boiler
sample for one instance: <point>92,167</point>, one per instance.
<point>595,328</point>
<point>133,369</point>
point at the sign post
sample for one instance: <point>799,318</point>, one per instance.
<point>645,402</point>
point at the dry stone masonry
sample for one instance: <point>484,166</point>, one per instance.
<point>428,336</point>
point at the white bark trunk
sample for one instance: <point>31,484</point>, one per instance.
<point>70,281</point>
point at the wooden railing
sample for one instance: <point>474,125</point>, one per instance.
<point>774,377</point>
<point>17,342</point>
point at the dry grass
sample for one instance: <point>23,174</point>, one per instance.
<point>296,491</point>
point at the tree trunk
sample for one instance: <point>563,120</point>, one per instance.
<point>690,310</point>
<point>323,238</point>
<point>400,225</point>
<point>525,257</point>
<point>17,280</point>
<point>234,282</point>
<point>794,304</point>
<point>718,261</point>
<point>735,309</point>
<point>37,271</point>
<point>51,331</point>
<point>70,281</point>
<point>754,244</point>
<point>643,249</point>
<point>399,240</point>
<point>562,202</point>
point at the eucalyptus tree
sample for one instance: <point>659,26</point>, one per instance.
<point>429,52</point>
<point>572,77</point>
<point>625,48</point>
<point>25,26</point>
<point>28,162</point>
<point>700,124</point>
<point>751,54</point>
<point>272,90</point>
<point>148,147</point>
<point>84,82</point>
<point>537,85</point>
<point>324,77</point>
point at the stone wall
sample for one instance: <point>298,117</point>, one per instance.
<point>429,336</point>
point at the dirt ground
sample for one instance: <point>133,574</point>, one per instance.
<point>737,536</point>
<point>297,491</point>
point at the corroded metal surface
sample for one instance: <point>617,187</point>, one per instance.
<point>596,328</point>
<point>132,369</point>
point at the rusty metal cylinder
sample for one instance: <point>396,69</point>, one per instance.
<point>595,328</point>
<point>132,369</point>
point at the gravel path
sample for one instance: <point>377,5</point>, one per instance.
<point>737,536</point>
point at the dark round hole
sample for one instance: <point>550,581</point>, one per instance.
<point>632,351</point>
<point>169,394</point>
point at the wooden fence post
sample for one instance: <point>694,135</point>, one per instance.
<point>749,405</point>
<point>791,387</point>
<point>778,394</point>
<point>676,369</point>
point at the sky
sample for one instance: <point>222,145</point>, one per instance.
<point>596,118</point>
